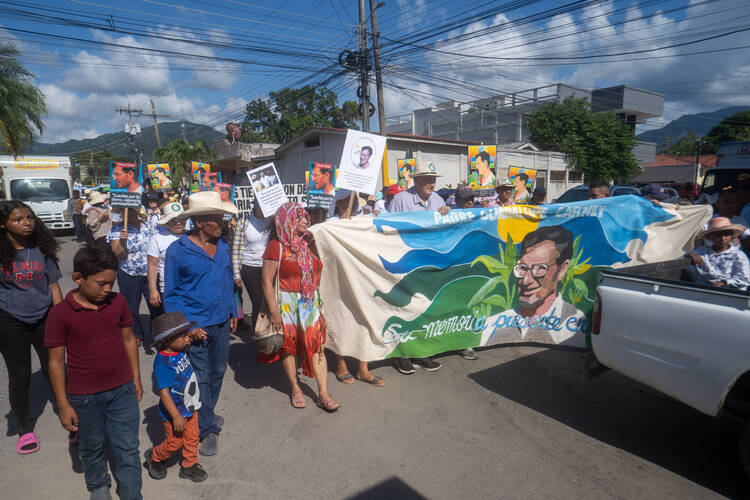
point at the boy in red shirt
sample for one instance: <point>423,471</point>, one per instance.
<point>93,326</point>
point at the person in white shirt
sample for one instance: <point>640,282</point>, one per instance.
<point>250,239</point>
<point>169,229</point>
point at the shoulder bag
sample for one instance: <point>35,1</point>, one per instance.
<point>266,338</point>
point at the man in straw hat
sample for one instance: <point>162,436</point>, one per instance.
<point>421,196</point>
<point>722,264</point>
<point>198,282</point>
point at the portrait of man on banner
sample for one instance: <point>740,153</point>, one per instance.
<point>482,161</point>
<point>405,168</point>
<point>160,176</point>
<point>125,177</point>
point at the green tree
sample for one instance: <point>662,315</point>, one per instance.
<point>290,112</point>
<point>21,103</point>
<point>731,128</point>
<point>179,154</point>
<point>597,144</point>
<point>684,146</point>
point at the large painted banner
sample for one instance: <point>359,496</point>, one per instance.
<point>417,284</point>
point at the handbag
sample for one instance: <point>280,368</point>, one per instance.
<point>267,339</point>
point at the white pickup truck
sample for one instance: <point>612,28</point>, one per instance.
<point>688,341</point>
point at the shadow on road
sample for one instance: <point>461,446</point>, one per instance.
<point>390,488</point>
<point>624,414</point>
<point>39,395</point>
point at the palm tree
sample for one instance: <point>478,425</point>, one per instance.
<point>21,103</point>
<point>179,154</point>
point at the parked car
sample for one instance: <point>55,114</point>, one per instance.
<point>580,193</point>
<point>674,195</point>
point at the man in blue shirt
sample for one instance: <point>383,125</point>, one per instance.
<point>198,282</point>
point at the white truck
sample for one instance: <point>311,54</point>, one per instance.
<point>43,183</point>
<point>688,341</point>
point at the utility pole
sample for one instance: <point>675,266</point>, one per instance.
<point>91,165</point>
<point>363,78</point>
<point>378,74</point>
<point>131,130</point>
<point>156,123</point>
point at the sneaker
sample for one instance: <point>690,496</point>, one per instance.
<point>428,364</point>
<point>101,494</point>
<point>218,421</point>
<point>157,470</point>
<point>469,353</point>
<point>404,366</point>
<point>195,473</point>
<point>210,445</point>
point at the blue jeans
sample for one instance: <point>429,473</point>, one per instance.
<point>209,359</point>
<point>133,288</point>
<point>110,415</point>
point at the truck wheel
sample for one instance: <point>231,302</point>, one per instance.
<point>744,447</point>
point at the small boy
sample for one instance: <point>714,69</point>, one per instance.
<point>93,327</point>
<point>179,398</point>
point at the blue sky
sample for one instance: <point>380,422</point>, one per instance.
<point>204,59</point>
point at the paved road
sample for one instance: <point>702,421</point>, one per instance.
<point>517,423</point>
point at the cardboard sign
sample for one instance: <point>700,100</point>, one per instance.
<point>482,161</point>
<point>321,181</point>
<point>125,184</point>
<point>359,168</point>
<point>267,188</point>
<point>160,176</point>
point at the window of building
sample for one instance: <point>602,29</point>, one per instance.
<point>313,142</point>
<point>557,176</point>
<point>575,176</point>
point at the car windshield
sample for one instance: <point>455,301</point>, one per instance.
<point>39,189</point>
<point>574,195</point>
<point>619,191</point>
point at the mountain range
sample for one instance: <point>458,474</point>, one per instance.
<point>145,141</point>
<point>701,123</point>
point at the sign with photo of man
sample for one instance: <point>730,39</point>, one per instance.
<point>198,169</point>
<point>267,188</point>
<point>125,184</point>
<point>321,182</point>
<point>359,169</point>
<point>160,176</point>
<point>405,168</point>
<point>482,160</point>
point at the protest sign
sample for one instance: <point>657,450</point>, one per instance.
<point>267,188</point>
<point>482,161</point>
<point>225,190</point>
<point>419,283</point>
<point>208,179</point>
<point>160,176</point>
<point>197,169</point>
<point>405,168</point>
<point>297,193</point>
<point>523,183</point>
<point>321,178</point>
<point>359,168</point>
<point>125,184</point>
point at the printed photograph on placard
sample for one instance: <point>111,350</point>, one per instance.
<point>482,161</point>
<point>405,168</point>
<point>198,169</point>
<point>208,179</point>
<point>267,188</point>
<point>360,161</point>
<point>225,190</point>
<point>523,183</point>
<point>321,178</point>
<point>125,177</point>
<point>160,176</point>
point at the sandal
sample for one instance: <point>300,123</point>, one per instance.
<point>328,404</point>
<point>346,378</point>
<point>298,400</point>
<point>28,443</point>
<point>375,380</point>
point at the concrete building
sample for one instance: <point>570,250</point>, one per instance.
<point>501,119</point>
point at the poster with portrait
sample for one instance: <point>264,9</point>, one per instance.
<point>482,161</point>
<point>125,184</point>
<point>405,168</point>
<point>359,168</point>
<point>321,182</point>
<point>208,179</point>
<point>161,179</point>
<point>267,188</point>
<point>198,168</point>
<point>523,180</point>
<point>225,190</point>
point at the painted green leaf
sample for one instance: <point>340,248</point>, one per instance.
<point>496,300</point>
<point>492,265</point>
<point>484,290</point>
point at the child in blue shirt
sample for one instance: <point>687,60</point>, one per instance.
<point>179,398</point>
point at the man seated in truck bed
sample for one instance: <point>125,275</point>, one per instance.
<point>721,264</point>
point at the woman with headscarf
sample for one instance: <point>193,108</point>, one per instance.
<point>296,309</point>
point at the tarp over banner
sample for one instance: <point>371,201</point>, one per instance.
<point>416,284</point>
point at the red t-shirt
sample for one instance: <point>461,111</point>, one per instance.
<point>97,360</point>
<point>290,273</point>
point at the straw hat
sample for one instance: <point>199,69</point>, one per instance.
<point>209,203</point>
<point>721,224</point>
<point>170,210</point>
<point>169,324</point>
<point>425,169</point>
<point>97,197</point>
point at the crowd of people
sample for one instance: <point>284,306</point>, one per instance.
<point>189,259</point>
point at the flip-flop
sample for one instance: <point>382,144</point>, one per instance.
<point>329,404</point>
<point>375,380</point>
<point>346,378</point>
<point>28,443</point>
<point>298,401</point>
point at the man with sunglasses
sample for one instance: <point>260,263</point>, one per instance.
<point>543,315</point>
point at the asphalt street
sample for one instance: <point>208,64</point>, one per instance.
<point>517,423</point>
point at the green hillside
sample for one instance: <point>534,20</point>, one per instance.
<point>145,141</point>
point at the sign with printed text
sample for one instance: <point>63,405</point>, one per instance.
<point>35,163</point>
<point>267,188</point>
<point>244,197</point>
<point>125,184</point>
<point>359,168</point>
